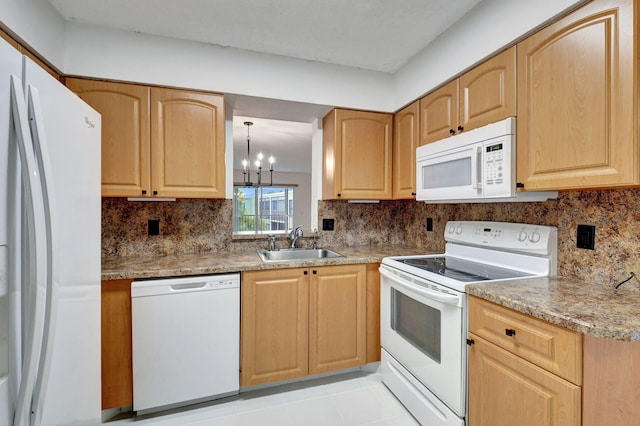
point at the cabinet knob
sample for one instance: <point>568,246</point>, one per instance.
<point>453,132</point>
<point>306,272</point>
<point>315,272</point>
<point>510,332</point>
<point>144,192</point>
<point>155,192</point>
<point>460,128</point>
<point>413,193</point>
<point>339,195</point>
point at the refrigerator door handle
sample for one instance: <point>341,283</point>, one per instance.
<point>41,151</point>
<point>37,264</point>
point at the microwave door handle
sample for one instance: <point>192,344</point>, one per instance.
<point>476,169</point>
<point>447,299</point>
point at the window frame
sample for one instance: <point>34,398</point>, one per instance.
<point>259,219</point>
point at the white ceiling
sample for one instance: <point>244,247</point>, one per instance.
<point>378,35</point>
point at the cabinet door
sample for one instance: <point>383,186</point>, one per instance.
<point>488,92</point>
<point>337,318</point>
<point>274,325</point>
<point>549,346</point>
<point>117,363</point>
<point>576,95</point>
<point>505,390</point>
<point>439,113</point>
<point>125,134</point>
<point>357,150</point>
<point>188,140</point>
<point>406,132</point>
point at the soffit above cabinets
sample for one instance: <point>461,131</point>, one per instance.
<point>372,34</point>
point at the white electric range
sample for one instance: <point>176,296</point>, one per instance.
<point>423,310</point>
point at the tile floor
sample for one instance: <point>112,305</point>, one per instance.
<point>354,398</point>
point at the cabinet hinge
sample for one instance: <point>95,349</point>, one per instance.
<point>471,342</point>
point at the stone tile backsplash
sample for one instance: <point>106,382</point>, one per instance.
<point>202,226</point>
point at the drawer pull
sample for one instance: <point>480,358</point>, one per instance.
<point>510,332</point>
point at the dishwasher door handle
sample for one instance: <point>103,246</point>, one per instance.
<point>190,286</point>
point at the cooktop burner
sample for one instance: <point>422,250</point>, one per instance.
<point>462,270</point>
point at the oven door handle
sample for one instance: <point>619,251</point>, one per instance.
<point>448,299</point>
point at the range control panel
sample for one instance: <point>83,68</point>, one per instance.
<point>534,239</point>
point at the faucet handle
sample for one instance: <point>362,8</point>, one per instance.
<point>272,242</point>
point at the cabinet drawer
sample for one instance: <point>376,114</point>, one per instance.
<point>553,348</point>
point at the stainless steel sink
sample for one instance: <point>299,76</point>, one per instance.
<point>284,255</point>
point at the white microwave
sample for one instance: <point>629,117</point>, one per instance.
<point>475,166</point>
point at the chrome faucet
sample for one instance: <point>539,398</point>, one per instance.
<point>294,235</point>
<point>272,242</point>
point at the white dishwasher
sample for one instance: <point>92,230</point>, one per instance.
<point>186,340</point>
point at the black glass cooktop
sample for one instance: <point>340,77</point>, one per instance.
<point>462,270</point>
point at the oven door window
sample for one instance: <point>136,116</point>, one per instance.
<point>417,323</point>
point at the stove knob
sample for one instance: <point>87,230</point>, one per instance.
<point>452,228</point>
<point>534,237</point>
<point>459,230</point>
<point>522,236</point>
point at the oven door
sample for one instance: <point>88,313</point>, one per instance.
<point>422,326</point>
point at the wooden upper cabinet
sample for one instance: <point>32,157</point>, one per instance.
<point>9,40</point>
<point>406,133</point>
<point>576,101</point>
<point>488,92</point>
<point>125,134</point>
<point>483,95</point>
<point>158,142</point>
<point>357,150</point>
<point>439,113</point>
<point>188,144</point>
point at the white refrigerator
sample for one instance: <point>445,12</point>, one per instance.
<point>49,249</point>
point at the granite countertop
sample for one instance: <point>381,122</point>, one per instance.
<point>593,310</point>
<point>224,262</point>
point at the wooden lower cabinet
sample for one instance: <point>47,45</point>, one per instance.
<point>522,371</point>
<point>610,391</point>
<point>373,313</point>
<point>337,318</point>
<point>274,325</point>
<point>117,363</point>
<point>302,321</point>
<point>505,390</point>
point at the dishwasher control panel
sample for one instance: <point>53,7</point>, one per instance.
<point>225,284</point>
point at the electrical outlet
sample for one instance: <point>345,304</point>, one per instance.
<point>586,238</point>
<point>153,227</point>
<point>429,224</point>
<point>328,224</point>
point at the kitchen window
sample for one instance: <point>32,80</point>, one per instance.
<point>262,210</point>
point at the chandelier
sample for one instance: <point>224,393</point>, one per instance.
<point>246,163</point>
